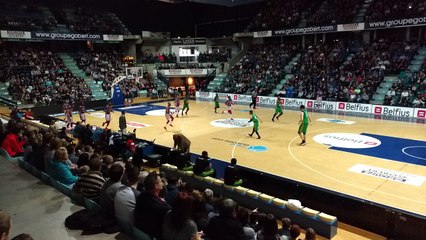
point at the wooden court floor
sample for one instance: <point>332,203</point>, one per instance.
<point>313,164</point>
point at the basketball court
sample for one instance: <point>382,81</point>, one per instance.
<point>377,160</point>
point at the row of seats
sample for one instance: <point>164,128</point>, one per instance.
<point>260,198</point>
<point>89,204</point>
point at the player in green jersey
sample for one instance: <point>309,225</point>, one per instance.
<point>216,102</point>
<point>278,109</point>
<point>185,105</point>
<point>304,122</point>
<point>255,119</point>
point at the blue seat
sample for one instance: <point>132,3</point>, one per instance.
<point>35,171</point>
<point>139,235</point>
<point>6,155</point>
<point>91,205</point>
<point>45,178</point>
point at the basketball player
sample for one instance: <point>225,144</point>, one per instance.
<point>177,106</point>
<point>169,116</point>
<point>65,107</point>
<point>108,110</point>
<point>255,119</point>
<point>229,104</point>
<point>216,102</point>
<point>185,105</point>
<point>82,112</point>
<point>304,122</point>
<point>278,109</point>
<point>68,116</point>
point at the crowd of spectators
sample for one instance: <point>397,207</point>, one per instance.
<point>40,77</point>
<point>262,69</point>
<point>105,169</point>
<point>87,20</point>
<point>389,10</point>
<point>149,57</point>
<point>214,57</point>
<point>24,16</point>
<point>347,71</point>
<point>105,66</point>
<point>409,90</point>
<point>282,14</point>
<point>335,12</point>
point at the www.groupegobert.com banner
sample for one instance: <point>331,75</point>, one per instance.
<point>65,36</point>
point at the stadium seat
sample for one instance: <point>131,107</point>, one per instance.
<point>139,235</point>
<point>232,188</point>
<point>208,179</point>
<point>279,202</point>
<point>91,205</point>
<point>253,194</point>
<point>6,155</point>
<point>241,190</point>
<point>36,172</point>
<point>207,173</point>
<point>266,198</point>
<point>45,178</point>
<point>218,182</point>
<point>310,212</point>
<point>327,218</point>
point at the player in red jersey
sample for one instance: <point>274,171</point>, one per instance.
<point>82,112</point>
<point>169,116</point>
<point>177,106</point>
<point>229,104</point>
<point>108,110</point>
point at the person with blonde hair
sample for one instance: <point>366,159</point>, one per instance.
<point>58,168</point>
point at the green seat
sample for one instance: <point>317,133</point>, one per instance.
<point>188,168</point>
<point>207,173</point>
<point>238,183</point>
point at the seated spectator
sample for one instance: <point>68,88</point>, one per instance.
<point>90,184</point>
<point>232,174</point>
<point>125,198</point>
<point>203,166</point>
<point>110,187</point>
<point>23,236</point>
<point>225,226</point>
<point>208,197</point>
<point>310,234</point>
<point>243,216</point>
<point>4,225</point>
<point>173,184</point>
<point>13,143</point>
<point>58,168</point>
<point>73,157</point>
<point>270,229</point>
<point>107,161</point>
<point>178,223</point>
<point>294,233</point>
<point>286,224</point>
<point>63,135</point>
<point>55,144</point>
<point>199,210</point>
<point>150,208</point>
